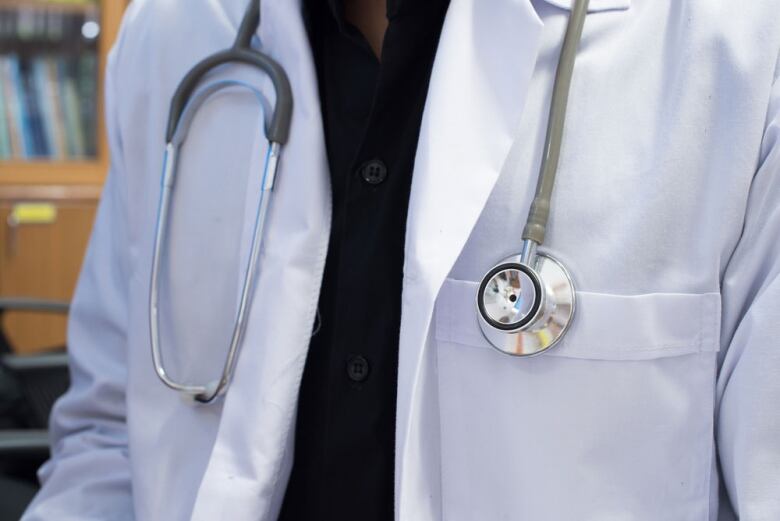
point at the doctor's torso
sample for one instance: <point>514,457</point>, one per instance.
<point>664,134</point>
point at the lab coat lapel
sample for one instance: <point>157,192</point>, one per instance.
<point>251,457</point>
<point>477,90</point>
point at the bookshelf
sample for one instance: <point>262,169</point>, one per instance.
<point>52,61</point>
<point>86,165</point>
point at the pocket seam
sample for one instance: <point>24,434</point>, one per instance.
<point>452,322</point>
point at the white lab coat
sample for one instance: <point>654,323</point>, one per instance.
<point>662,403</point>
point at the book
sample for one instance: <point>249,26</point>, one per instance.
<point>69,95</point>
<point>11,108</point>
<point>5,138</point>
<point>87,85</point>
<point>18,103</point>
<point>40,145</point>
<point>58,110</point>
<point>48,106</point>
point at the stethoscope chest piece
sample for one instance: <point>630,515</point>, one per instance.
<point>524,310</point>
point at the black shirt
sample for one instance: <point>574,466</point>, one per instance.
<point>345,436</point>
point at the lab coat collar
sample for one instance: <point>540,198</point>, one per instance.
<point>594,5</point>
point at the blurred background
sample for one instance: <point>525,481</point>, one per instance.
<point>53,159</point>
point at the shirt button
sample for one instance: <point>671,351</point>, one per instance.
<point>373,172</point>
<point>357,368</point>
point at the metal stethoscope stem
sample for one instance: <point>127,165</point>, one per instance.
<point>208,392</point>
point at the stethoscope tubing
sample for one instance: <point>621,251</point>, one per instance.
<point>185,102</point>
<point>539,212</point>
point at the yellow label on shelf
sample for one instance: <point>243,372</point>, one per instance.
<point>34,213</point>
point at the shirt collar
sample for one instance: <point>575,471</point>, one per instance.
<point>394,7</point>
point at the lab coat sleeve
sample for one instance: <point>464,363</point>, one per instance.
<point>748,393</point>
<point>88,475</point>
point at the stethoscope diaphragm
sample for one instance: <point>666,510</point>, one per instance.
<point>524,310</point>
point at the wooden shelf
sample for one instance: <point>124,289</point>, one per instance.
<point>42,172</point>
<point>49,192</point>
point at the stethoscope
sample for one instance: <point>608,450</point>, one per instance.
<point>525,303</point>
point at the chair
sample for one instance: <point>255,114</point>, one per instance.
<point>29,386</point>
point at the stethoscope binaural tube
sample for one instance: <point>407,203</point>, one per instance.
<point>526,303</point>
<point>184,105</point>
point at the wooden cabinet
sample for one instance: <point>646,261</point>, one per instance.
<point>42,259</point>
<point>42,44</point>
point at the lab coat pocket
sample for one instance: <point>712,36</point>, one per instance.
<point>613,423</point>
